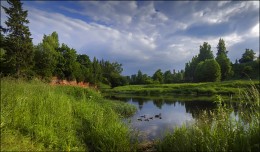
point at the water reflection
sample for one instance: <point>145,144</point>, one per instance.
<point>156,116</point>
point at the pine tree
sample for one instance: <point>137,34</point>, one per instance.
<point>19,47</point>
<point>221,47</point>
<point>223,60</point>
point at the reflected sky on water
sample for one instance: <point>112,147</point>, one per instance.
<point>172,113</point>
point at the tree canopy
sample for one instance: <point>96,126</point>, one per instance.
<point>248,56</point>
<point>205,52</point>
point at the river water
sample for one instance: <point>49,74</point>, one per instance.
<point>155,117</point>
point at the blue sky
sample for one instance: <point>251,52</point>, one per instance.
<point>146,35</point>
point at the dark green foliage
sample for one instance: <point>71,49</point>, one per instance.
<point>198,70</point>
<point>46,55</point>
<point>247,66</point>
<point>158,76</point>
<point>86,68</point>
<point>18,45</point>
<point>208,71</point>
<point>178,77</point>
<point>139,77</point>
<point>84,60</point>
<point>221,47</point>
<point>190,69</point>
<point>168,77</point>
<point>2,52</point>
<point>111,73</point>
<point>70,58</point>
<point>248,56</point>
<point>97,71</point>
<point>225,66</point>
<point>246,70</point>
<point>205,52</point>
<point>223,60</point>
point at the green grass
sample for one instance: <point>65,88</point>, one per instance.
<point>36,116</point>
<point>209,88</point>
<point>219,130</point>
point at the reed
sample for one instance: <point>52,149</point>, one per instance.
<point>220,130</point>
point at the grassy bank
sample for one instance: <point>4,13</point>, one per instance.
<point>220,130</point>
<point>209,88</point>
<point>36,116</point>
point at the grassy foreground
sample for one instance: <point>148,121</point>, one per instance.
<point>36,116</point>
<point>209,88</point>
<point>220,130</point>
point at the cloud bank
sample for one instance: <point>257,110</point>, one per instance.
<point>147,35</point>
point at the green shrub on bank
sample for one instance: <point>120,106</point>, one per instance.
<point>60,118</point>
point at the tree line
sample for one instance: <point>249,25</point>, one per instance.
<point>204,67</point>
<point>20,58</point>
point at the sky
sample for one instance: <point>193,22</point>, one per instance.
<point>146,35</point>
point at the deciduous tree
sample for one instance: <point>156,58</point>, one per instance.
<point>208,71</point>
<point>46,55</point>
<point>158,76</point>
<point>248,56</point>
<point>205,52</point>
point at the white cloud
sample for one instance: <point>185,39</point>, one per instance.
<point>144,35</point>
<point>255,30</point>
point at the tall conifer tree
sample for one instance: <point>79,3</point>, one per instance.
<point>223,60</point>
<point>19,46</point>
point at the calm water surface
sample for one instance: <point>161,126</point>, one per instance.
<point>156,116</point>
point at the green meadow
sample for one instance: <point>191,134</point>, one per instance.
<point>199,89</point>
<point>38,117</point>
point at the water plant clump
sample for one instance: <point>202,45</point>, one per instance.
<point>220,130</point>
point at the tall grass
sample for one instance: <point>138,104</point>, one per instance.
<point>59,118</point>
<point>220,130</point>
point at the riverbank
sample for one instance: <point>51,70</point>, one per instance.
<point>220,130</point>
<point>39,117</point>
<point>226,88</point>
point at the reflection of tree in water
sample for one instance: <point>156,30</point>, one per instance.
<point>170,102</point>
<point>158,103</point>
<point>113,97</point>
<point>195,107</point>
<point>140,102</point>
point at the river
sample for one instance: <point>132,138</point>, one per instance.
<point>156,116</point>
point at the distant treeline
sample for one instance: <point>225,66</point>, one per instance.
<point>204,67</point>
<point>20,58</point>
